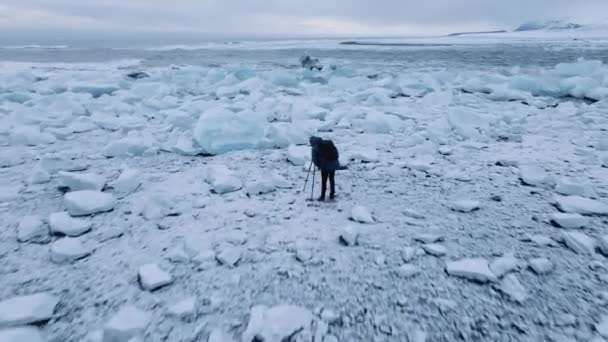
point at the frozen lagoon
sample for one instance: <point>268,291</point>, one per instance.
<point>422,129</point>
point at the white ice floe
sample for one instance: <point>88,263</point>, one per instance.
<point>278,323</point>
<point>603,245</point>
<point>81,181</point>
<point>222,180</point>
<point>574,187</point>
<point>131,146</point>
<point>32,229</point>
<point>407,271</point>
<point>88,202</point>
<point>349,237</point>
<point>435,249</point>
<point>129,322</point>
<point>27,309</point>
<point>62,223</point>
<point>581,205</point>
<point>298,155</point>
<point>362,215</point>
<point>569,221</point>
<point>219,335</point>
<point>476,269</point>
<point>152,277</point>
<point>260,188</point>
<point>39,176</point>
<point>229,256</point>
<point>579,242</point>
<point>534,175</point>
<point>67,250</point>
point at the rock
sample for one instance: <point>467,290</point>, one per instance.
<point>413,214</point>
<point>32,229</point>
<point>603,245</point>
<point>349,237</point>
<point>68,250</point>
<point>218,335</point>
<point>472,269</point>
<point>513,289</point>
<point>88,202</point>
<point>569,221</point>
<point>279,323</point>
<point>362,215</point>
<point>602,326</point>
<point>581,205</point>
<point>573,187</point>
<point>229,256</point>
<point>466,206</point>
<point>408,253</point>
<point>260,188</point>
<point>579,242</point>
<point>184,309</point>
<point>39,176</point>
<point>505,264</point>
<point>428,238</point>
<point>127,183</point>
<point>152,277</point>
<point>540,265</point>
<point>407,271</point>
<point>435,249</point>
<point>28,309</point>
<point>21,334</point>
<point>129,322</point>
<point>534,175</point>
<point>62,223</point>
<point>81,181</point>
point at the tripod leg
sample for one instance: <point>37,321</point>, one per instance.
<point>312,193</point>
<point>307,175</point>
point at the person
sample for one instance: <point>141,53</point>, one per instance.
<point>326,158</point>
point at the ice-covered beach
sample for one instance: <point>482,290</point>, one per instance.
<point>156,194</point>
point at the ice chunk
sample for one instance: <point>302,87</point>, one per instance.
<point>279,323</point>
<point>32,229</point>
<point>604,159</point>
<point>28,309</point>
<point>127,323</point>
<point>21,334</point>
<point>298,155</point>
<point>152,277</point>
<point>81,181</point>
<point>132,145</point>
<point>184,309</point>
<point>435,249</point>
<point>505,264</point>
<point>579,242</point>
<point>260,188</point>
<point>534,175</point>
<point>349,237</point>
<point>63,223</point>
<point>30,136</point>
<point>569,221</point>
<point>581,205</point>
<point>407,271</point>
<point>229,256</point>
<point>365,155</point>
<point>603,245</point>
<point>511,287</point>
<point>127,183</point>
<point>602,326</point>
<point>466,206</point>
<point>573,187</point>
<point>362,215</point>
<point>223,180</point>
<point>281,135</point>
<point>218,335</point>
<point>187,146</point>
<point>67,250</point>
<point>541,265</point>
<point>472,269</point>
<point>220,130</point>
<point>88,202</point>
<point>428,238</point>
<point>39,176</point>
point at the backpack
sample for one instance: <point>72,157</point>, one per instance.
<point>328,150</point>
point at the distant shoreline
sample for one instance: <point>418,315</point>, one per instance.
<point>359,43</point>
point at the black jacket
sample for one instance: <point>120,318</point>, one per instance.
<point>324,154</point>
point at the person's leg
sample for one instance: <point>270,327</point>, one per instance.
<point>332,184</point>
<point>324,175</point>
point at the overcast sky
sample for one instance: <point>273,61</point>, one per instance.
<point>290,17</point>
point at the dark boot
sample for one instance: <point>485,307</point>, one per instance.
<point>321,199</point>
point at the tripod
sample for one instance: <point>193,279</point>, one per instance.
<point>312,193</point>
